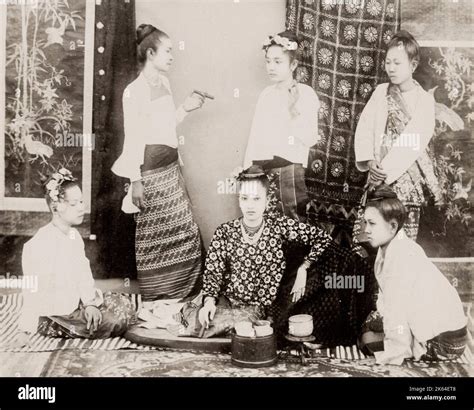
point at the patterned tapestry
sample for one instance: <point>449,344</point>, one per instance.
<point>343,48</point>
<point>46,105</point>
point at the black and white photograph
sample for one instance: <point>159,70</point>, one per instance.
<point>212,193</point>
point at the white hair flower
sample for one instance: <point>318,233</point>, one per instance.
<point>53,186</point>
<point>54,195</point>
<point>284,42</point>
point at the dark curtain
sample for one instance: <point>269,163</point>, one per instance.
<point>114,68</point>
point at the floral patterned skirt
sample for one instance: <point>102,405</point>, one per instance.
<point>117,315</point>
<point>228,313</point>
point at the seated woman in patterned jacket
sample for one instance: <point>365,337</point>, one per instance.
<point>245,266</point>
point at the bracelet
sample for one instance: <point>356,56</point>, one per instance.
<point>307,262</point>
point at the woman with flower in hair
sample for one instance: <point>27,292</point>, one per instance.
<point>285,124</point>
<point>167,238</point>
<point>66,303</point>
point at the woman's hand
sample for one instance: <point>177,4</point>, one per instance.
<point>93,318</point>
<point>207,312</point>
<point>138,194</point>
<point>299,287</point>
<point>377,175</point>
<point>193,102</point>
<point>373,183</point>
<point>376,171</point>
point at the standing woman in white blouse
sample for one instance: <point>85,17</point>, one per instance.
<point>167,239</point>
<point>395,129</point>
<point>285,125</point>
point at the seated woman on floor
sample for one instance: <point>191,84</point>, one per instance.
<point>419,313</point>
<point>245,265</point>
<point>245,261</point>
<point>66,303</point>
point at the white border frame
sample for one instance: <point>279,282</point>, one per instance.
<point>39,204</point>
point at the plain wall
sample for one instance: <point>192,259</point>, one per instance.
<point>222,53</point>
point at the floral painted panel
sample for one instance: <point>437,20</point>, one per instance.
<point>44,92</point>
<point>448,73</point>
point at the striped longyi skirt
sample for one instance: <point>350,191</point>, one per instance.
<point>167,240</point>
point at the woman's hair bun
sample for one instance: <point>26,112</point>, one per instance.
<point>253,172</point>
<point>143,30</point>
<point>382,192</point>
<point>290,35</point>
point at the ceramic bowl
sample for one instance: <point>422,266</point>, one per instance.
<point>244,329</point>
<point>300,325</point>
<point>263,328</point>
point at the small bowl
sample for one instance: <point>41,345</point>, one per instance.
<point>244,329</point>
<point>300,325</point>
<point>263,328</point>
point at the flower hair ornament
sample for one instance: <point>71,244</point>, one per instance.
<point>278,40</point>
<point>53,185</point>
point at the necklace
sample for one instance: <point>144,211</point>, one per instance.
<point>251,230</point>
<point>251,238</point>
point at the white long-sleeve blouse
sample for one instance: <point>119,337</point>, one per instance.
<point>275,133</point>
<point>370,133</point>
<point>147,121</point>
<point>64,276</point>
<point>416,301</point>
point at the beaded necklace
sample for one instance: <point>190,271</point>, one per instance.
<point>250,234</point>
